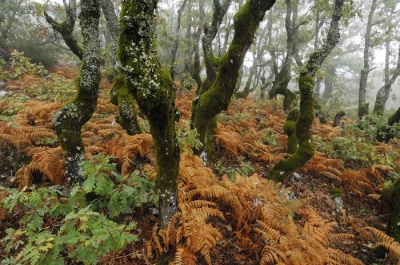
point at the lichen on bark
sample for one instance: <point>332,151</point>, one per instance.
<point>151,85</point>
<point>68,120</point>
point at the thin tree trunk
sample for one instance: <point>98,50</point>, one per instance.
<point>363,107</point>
<point>383,94</point>
<point>328,82</point>
<point>304,121</point>
<point>282,78</point>
<point>176,41</point>
<point>68,120</point>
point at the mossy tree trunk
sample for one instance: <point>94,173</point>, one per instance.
<point>66,28</point>
<point>217,98</point>
<point>363,106</point>
<point>68,120</point>
<point>391,194</point>
<point>211,64</point>
<point>120,95</point>
<point>151,86</point>
<point>384,133</point>
<point>304,121</point>
<point>289,127</point>
<point>123,98</point>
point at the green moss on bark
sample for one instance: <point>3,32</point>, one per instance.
<point>384,134</point>
<point>289,128</point>
<point>68,120</point>
<point>121,97</point>
<point>391,194</point>
<point>217,98</point>
<point>363,110</point>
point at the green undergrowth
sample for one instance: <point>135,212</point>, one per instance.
<point>62,225</point>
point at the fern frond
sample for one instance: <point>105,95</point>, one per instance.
<point>381,235</point>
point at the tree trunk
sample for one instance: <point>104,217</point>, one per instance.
<point>328,83</point>
<point>176,41</point>
<point>68,120</point>
<point>66,28</point>
<point>384,134</point>
<point>390,195</point>
<point>112,24</point>
<point>151,85</point>
<point>120,95</point>
<point>304,121</point>
<point>363,107</point>
<point>211,63</point>
<point>282,78</point>
<point>217,98</point>
<point>383,93</point>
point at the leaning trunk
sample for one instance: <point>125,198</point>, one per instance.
<point>383,93</point>
<point>304,121</point>
<point>217,98</point>
<point>68,121</point>
<point>151,85</point>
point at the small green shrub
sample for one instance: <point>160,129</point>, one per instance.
<point>23,65</point>
<point>187,82</point>
<point>245,169</point>
<point>188,139</point>
<point>60,226</point>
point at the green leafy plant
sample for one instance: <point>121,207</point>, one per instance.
<point>187,82</point>
<point>355,152</point>
<point>23,65</point>
<point>244,169</point>
<point>60,226</point>
<point>188,139</point>
<point>268,136</point>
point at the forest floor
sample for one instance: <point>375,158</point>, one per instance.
<point>249,141</point>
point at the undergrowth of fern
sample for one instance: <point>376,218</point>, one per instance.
<point>228,213</point>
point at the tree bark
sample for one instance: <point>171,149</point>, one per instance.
<point>68,120</point>
<point>363,107</point>
<point>151,85</point>
<point>304,121</point>
<point>217,98</point>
